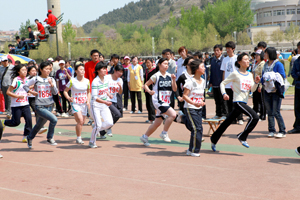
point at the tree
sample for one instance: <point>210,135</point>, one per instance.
<point>292,34</point>
<point>211,37</point>
<point>277,36</point>
<point>227,38</point>
<point>261,36</point>
<point>23,28</point>
<point>192,19</point>
<point>243,38</point>
<point>68,33</point>
<point>196,42</point>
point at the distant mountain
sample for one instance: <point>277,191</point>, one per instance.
<point>144,12</point>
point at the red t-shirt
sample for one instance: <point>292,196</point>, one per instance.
<point>89,68</point>
<point>51,20</point>
<point>41,28</point>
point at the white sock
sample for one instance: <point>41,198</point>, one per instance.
<point>145,136</point>
<point>164,132</point>
<point>79,138</point>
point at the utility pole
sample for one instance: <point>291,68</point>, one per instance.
<point>153,47</point>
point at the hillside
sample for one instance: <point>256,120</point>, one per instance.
<point>146,12</point>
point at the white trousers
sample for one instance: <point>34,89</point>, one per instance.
<point>98,113</point>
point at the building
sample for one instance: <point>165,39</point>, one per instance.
<point>281,12</point>
<point>254,30</point>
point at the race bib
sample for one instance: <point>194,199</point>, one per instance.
<point>245,85</point>
<point>197,97</point>
<point>63,82</point>
<point>165,96</point>
<point>44,91</point>
<point>114,89</point>
<point>18,100</point>
<point>136,78</point>
<point>80,97</point>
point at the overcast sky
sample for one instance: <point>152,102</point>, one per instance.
<point>14,12</point>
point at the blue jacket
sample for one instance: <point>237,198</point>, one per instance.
<point>216,74</point>
<point>296,73</point>
<point>278,67</point>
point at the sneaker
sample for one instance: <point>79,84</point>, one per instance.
<point>79,141</point>
<point>63,115</point>
<point>32,113</point>
<point>92,145</point>
<point>216,117</point>
<point>202,140</point>
<point>192,154</point>
<point>52,142</point>
<point>2,127</point>
<point>145,141</point>
<point>165,137</point>
<point>102,136</point>
<point>90,122</point>
<point>271,134</point>
<point>147,121</point>
<point>58,114</point>
<point>240,122</point>
<point>109,132</point>
<point>139,112</point>
<point>124,109</point>
<point>131,112</point>
<point>280,135</point>
<point>244,143</point>
<point>297,151</point>
<point>42,130</point>
<point>24,140</point>
<point>29,143</point>
<point>67,115</point>
<point>1,156</point>
<point>213,147</point>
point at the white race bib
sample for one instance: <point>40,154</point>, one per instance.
<point>44,91</point>
<point>197,97</point>
<point>18,100</point>
<point>165,96</point>
<point>80,97</point>
<point>136,78</point>
<point>63,82</point>
<point>245,85</point>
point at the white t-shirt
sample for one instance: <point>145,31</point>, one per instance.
<point>228,66</point>
<point>99,90</point>
<point>19,90</point>
<point>113,87</point>
<point>79,90</point>
<point>196,92</point>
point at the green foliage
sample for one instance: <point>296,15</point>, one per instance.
<point>68,33</point>
<point>292,34</point>
<point>261,36</point>
<point>277,36</point>
<point>243,38</point>
<point>168,3</point>
<point>23,28</point>
<point>192,19</point>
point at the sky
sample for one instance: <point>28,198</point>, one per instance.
<point>78,11</point>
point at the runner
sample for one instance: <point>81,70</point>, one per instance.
<point>163,84</point>
<point>194,101</point>
<point>80,100</point>
<point>44,89</point>
<point>19,102</point>
<point>242,83</point>
<point>100,103</point>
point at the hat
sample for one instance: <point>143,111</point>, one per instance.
<point>50,59</point>
<point>278,52</point>
<point>258,51</point>
<point>126,57</point>
<point>49,11</point>
<point>4,58</point>
<point>61,62</point>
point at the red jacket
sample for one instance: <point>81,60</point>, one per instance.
<point>51,20</point>
<point>89,68</point>
<point>41,28</point>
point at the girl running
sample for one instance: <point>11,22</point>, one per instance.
<point>19,102</point>
<point>194,101</point>
<point>100,103</point>
<point>44,89</point>
<point>163,84</point>
<point>80,100</point>
<point>242,84</point>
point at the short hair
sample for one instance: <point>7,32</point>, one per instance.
<point>23,38</point>
<point>17,37</point>
<point>206,53</point>
<point>162,60</point>
<point>58,58</point>
<point>182,48</point>
<point>262,44</point>
<point>198,53</point>
<point>239,58</point>
<point>28,27</point>
<point>255,49</point>
<point>99,66</point>
<point>36,20</point>
<point>298,44</point>
<point>95,51</point>
<point>132,57</point>
<point>230,44</point>
<point>194,65</point>
<point>115,56</point>
<point>219,46</point>
<point>166,51</point>
<point>119,67</point>
<point>271,51</point>
<point>186,61</point>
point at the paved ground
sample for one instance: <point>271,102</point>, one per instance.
<point>122,168</point>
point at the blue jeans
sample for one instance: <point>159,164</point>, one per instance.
<point>273,104</point>
<point>45,114</point>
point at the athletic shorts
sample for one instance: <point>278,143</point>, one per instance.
<point>160,110</point>
<point>79,107</point>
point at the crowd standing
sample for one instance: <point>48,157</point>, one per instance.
<point>99,91</point>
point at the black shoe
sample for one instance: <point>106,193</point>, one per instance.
<point>298,151</point>
<point>294,131</point>
<point>29,143</point>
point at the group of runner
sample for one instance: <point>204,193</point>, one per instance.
<point>97,90</point>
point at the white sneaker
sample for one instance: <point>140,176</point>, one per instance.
<point>192,154</point>
<point>58,114</point>
<point>165,137</point>
<point>64,115</point>
<point>67,115</point>
<point>42,130</point>
<point>124,109</point>
<point>90,122</point>
<point>240,122</point>
<point>145,141</point>
<point>109,132</point>
<point>280,135</point>
<point>79,141</point>
<point>271,134</point>
<point>131,112</point>
<point>139,112</point>
<point>92,145</point>
<point>102,136</point>
<point>1,156</point>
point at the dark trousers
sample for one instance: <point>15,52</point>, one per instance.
<point>221,109</point>
<point>31,101</point>
<point>297,109</point>
<point>150,107</point>
<point>194,124</point>
<point>180,105</point>
<point>116,113</point>
<point>172,99</point>
<point>204,109</point>
<point>259,104</point>
<point>17,113</point>
<point>64,101</point>
<point>238,109</point>
<point>7,99</point>
<point>230,104</point>
<point>126,94</point>
<point>57,103</point>
<point>139,99</point>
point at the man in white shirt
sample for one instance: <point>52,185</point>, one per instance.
<point>180,68</point>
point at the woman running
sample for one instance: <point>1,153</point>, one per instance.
<point>100,103</point>
<point>242,84</point>
<point>19,102</point>
<point>163,84</point>
<point>44,89</point>
<point>80,100</point>
<point>194,101</point>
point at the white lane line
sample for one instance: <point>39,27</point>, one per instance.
<point>28,193</point>
<point>136,180</point>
